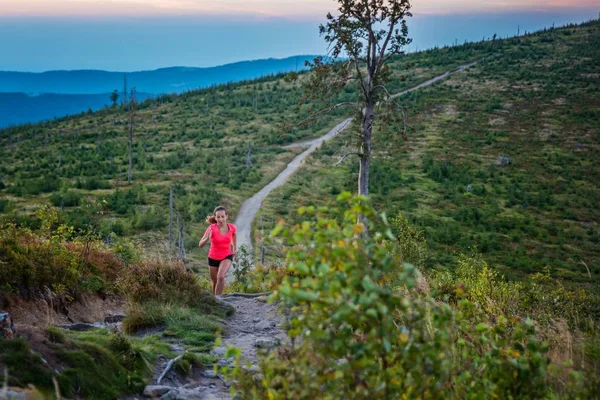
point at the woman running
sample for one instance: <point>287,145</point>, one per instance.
<point>223,247</point>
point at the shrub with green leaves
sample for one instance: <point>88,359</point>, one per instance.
<point>356,336</point>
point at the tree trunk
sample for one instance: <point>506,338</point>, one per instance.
<point>365,158</point>
<point>130,169</point>
<point>171,238</point>
<point>131,120</point>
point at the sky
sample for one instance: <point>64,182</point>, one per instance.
<point>129,35</point>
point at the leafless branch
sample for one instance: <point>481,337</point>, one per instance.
<point>325,110</point>
<point>391,98</point>
<point>168,367</point>
<point>346,156</point>
<point>393,20</point>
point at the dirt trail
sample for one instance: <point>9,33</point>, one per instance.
<point>255,327</point>
<point>250,207</point>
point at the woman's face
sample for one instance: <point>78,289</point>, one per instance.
<point>221,217</point>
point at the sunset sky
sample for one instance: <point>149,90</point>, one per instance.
<point>269,8</point>
<point>130,35</point>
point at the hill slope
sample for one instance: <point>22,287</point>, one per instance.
<point>502,160</point>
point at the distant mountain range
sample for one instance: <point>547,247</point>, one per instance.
<point>31,97</point>
<point>19,108</point>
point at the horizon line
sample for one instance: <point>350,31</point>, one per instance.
<point>306,17</point>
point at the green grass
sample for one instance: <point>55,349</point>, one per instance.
<point>95,364</point>
<point>23,367</point>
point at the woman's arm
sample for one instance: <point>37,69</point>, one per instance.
<point>205,238</point>
<point>234,244</point>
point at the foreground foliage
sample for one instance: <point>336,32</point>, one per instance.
<point>55,265</point>
<point>360,330</point>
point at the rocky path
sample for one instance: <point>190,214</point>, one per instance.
<point>255,327</point>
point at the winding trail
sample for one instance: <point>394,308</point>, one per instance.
<point>250,207</point>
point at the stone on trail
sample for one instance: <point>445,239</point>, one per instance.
<point>82,326</point>
<point>156,390</point>
<point>262,299</point>
<point>209,373</point>
<point>113,319</point>
<point>220,351</point>
<point>266,343</point>
<point>263,325</point>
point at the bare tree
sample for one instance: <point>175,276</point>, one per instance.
<point>131,121</point>
<point>171,238</point>
<point>180,241</point>
<point>124,89</point>
<point>364,35</point>
<point>249,156</point>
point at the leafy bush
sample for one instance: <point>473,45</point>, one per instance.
<point>165,283</point>
<point>123,202</point>
<point>5,205</point>
<point>92,183</point>
<point>33,187</point>
<point>411,241</point>
<point>361,337</point>
<point>150,218</point>
<point>68,198</point>
<point>31,263</point>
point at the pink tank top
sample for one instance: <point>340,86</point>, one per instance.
<point>220,244</point>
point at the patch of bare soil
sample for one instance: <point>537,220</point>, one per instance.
<point>499,121</point>
<point>40,344</point>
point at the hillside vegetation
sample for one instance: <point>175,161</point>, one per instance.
<point>199,143</point>
<point>501,160</point>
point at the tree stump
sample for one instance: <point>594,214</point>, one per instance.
<point>7,327</point>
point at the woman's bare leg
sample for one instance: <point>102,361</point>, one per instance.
<point>223,268</point>
<point>213,277</point>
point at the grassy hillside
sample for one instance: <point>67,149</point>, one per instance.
<point>502,159</point>
<point>197,142</point>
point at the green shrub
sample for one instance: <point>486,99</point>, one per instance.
<point>362,338</point>
<point>5,205</point>
<point>150,218</point>
<point>92,183</point>
<point>68,198</point>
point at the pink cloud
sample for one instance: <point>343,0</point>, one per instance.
<point>295,9</point>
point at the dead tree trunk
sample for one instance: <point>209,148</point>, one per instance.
<point>180,241</point>
<point>131,120</point>
<point>365,153</point>
<point>171,238</point>
<point>249,156</point>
